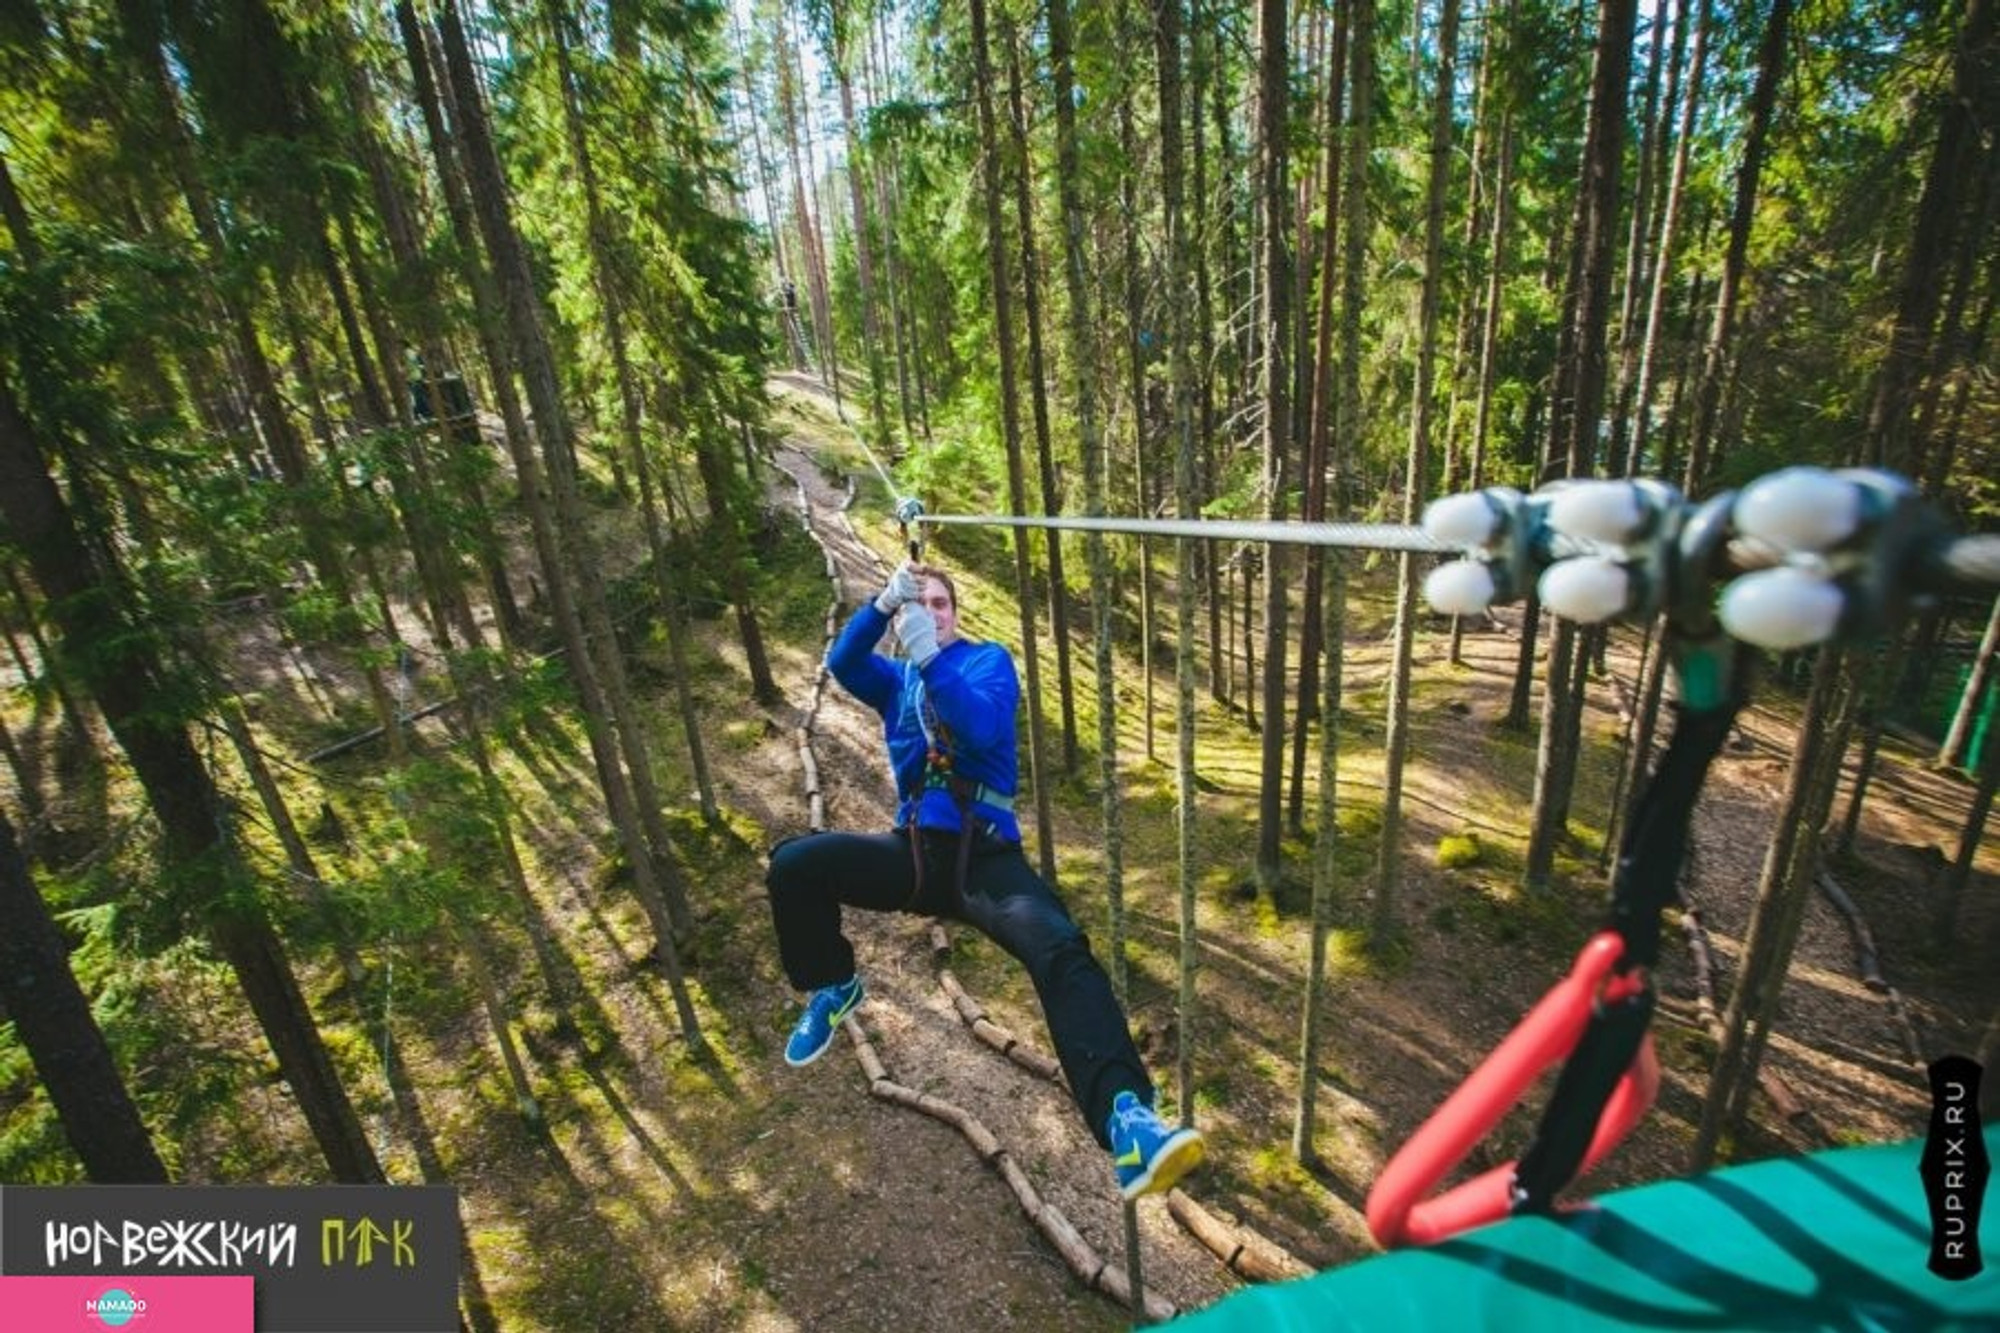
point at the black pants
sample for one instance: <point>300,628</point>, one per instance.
<point>813,877</point>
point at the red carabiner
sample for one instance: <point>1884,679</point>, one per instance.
<point>1399,1213</point>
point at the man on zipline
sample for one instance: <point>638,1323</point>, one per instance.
<point>948,717</point>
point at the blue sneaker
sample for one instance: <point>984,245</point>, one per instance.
<point>1148,1154</point>
<point>824,1011</point>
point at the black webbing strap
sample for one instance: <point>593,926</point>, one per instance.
<point>1646,882</point>
<point>1655,847</point>
<point>938,772</point>
<point>1569,1121</point>
<point>964,859</point>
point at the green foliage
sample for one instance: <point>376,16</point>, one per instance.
<point>960,472</point>
<point>316,615</point>
<point>1457,850</point>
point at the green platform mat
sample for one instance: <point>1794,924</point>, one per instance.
<point>1834,1240</point>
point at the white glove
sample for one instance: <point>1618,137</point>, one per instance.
<point>918,630</point>
<point>903,586</point>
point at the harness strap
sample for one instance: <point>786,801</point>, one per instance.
<point>1646,883</point>
<point>1608,1048</point>
<point>965,791</point>
<point>940,775</point>
<point>964,859</point>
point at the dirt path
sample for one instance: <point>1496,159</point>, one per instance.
<point>942,1241</point>
<point>1405,1034</point>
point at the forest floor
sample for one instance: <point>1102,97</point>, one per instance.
<point>723,1191</point>
<point>912,1230</point>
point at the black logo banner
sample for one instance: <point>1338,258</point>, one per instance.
<point>1955,1168</point>
<point>326,1258</point>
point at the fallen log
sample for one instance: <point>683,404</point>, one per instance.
<point>1867,960</point>
<point>375,733</point>
<point>1241,1250</point>
<point>1773,1087</point>
<point>1090,1267</point>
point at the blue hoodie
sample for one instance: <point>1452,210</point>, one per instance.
<point>972,690</point>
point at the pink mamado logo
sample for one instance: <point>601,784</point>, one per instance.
<point>115,1307</point>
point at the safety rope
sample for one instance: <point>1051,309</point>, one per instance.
<point>1349,536</point>
<point>906,508</point>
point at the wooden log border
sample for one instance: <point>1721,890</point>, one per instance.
<point>1245,1253</point>
<point>1782,1098</point>
<point>1089,1266</point>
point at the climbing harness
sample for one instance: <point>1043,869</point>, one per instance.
<point>940,774</point>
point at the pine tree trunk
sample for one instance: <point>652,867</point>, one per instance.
<point>1966,119</point>
<point>412,480</point>
<point>1663,66</point>
<point>1708,387</point>
<point>1388,866</point>
<point>1950,890</point>
<point>1319,408</point>
<point>900,340</point>
<point>1962,347</point>
<point>1577,410</point>
<point>1660,289</point>
<point>1167,40</point>
<point>1274,114</point>
<point>53,1020</point>
<point>332,565</point>
<point>1782,888</point>
<point>767,188</point>
<point>469,946</point>
<point>1010,424</point>
<point>486,305</point>
<point>47,677</point>
<point>1083,361</point>
<point>864,259</point>
<point>1250,561</point>
<point>281,436</point>
<point>33,805</point>
<point>874,62</point>
<point>1230,364</point>
<point>1136,382</point>
<point>1348,165</point>
<point>473,685</point>
<point>673,615</point>
<point>1497,263</point>
<point>1874,704</point>
<point>1038,397</point>
<point>918,366</point>
<point>1326,873</point>
<point>797,124</point>
<point>1214,577</point>
<point>1482,48</point>
<point>725,529</point>
<point>630,402</point>
<point>298,857</point>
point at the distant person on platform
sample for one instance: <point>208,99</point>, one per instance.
<point>948,718</point>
